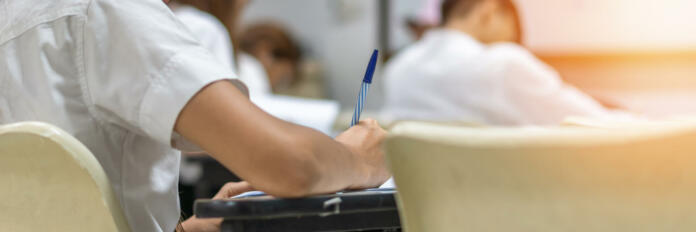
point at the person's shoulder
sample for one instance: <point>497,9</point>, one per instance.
<point>415,54</point>
<point>511,55</point>
<point>403,59</point>
<point>521,65</point>
<point>509,52</point>
<point>200,20</point>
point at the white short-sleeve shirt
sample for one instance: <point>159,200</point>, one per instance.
<point>115,74</point>
<point>450,76</point>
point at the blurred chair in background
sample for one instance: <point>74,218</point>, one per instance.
<point>639,178</point>
<point>51,182</point>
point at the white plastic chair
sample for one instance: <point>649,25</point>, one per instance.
<point>49,181</point>
<point>544,179</point>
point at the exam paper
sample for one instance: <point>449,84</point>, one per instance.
<point>389,185</point>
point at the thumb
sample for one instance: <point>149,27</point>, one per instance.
<point>232,189</point>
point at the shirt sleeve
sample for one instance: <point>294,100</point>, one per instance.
<point>538,94</point>
<point>142,66</point>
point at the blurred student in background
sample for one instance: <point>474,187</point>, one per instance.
<point>472,69</point>
<point>276,50</point>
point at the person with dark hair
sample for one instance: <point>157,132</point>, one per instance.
<point>472,69</point>
<point>275,49</point>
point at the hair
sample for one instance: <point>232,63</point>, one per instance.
<point>284,46</point>
<point>449,5</point>
<point>465,6</point>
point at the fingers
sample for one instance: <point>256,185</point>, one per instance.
<point>232,189</point>
<point>373,125</point>
<point>369,122</point>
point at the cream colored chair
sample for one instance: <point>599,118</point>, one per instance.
<point>49,181</point>
<point>544,179</point>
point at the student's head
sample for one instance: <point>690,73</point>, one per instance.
<point>489,21</point>
<point>272,45</point>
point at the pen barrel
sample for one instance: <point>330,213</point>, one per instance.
<point>362,97</point>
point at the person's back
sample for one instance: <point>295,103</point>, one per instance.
<point>418,79</point>
<point>469,70</point>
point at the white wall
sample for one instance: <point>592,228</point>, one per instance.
<point>609,25</point>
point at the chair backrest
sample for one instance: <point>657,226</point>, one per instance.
<point>544,179</point>
<point>49,181</point>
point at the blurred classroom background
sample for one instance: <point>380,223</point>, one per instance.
<point>638,54</point>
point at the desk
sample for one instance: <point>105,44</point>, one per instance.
<point>352,211</point>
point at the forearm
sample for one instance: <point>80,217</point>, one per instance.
<point>280,158</point>
<point>337,167</point>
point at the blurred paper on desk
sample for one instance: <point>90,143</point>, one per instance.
<point>313,113</point>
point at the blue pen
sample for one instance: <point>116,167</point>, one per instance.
<point>367,80</point>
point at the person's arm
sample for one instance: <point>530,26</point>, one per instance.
<point>146,74</point>
<point>280,158</point>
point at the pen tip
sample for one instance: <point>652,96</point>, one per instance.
<point>371,67</point>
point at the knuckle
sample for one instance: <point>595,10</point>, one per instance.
<point>229,185</point>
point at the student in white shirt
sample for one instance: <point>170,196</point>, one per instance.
<point>130,82</point>
<point>471,69</point>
